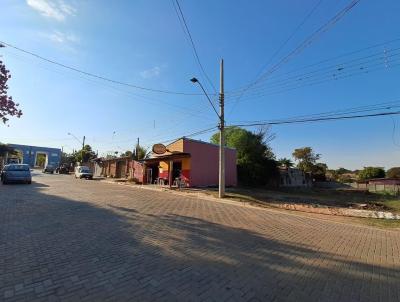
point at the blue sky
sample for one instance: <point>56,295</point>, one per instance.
<point>142,43</point>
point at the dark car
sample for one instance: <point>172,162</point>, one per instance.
<point>49,169</point>
<point>62,169</point>
<point>16,173</point>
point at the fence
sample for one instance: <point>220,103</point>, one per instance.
<point>394,189</point>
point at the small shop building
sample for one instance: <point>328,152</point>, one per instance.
<point>191,162</point>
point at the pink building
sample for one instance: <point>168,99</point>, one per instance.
<point>192,161</point>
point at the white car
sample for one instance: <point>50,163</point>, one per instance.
<point>83,172</point>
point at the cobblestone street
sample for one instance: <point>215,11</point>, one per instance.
<point>63,239</point>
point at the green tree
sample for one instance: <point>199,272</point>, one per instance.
<point>341,171</point>
<point>255,159</point>
<point>127,153</point>
<point>393,172</point>
<point>84,155</point>
<point>319,171</point>
<point>306,158</point>
<point>142,152</point>
<point>371,172</point>
<point>4,149</point>
<point>285,162</point>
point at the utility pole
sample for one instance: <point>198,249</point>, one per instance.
<point>137,149</point>
<point>221,189</point>
<point>83,146</point>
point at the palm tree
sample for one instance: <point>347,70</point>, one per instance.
<point>286,162</point>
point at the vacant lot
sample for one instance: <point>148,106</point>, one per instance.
<point>325,197</point>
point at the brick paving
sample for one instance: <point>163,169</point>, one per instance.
<point>63,239</point>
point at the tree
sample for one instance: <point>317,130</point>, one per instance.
<point>4,149</point>
<point>371,172</point>
<point>255,160</point>
<point>84,155</point>
<point>285,162</point>
<point>127,153</point>
<point>342,171</point>
<point>306,158</point>
<point>142,152</point>
<point>319,171</point>
<point>8,107</point>
<point>393,172</point>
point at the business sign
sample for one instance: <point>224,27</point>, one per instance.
<point>159,149</point>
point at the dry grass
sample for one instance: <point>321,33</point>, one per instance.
<point>320,197</point>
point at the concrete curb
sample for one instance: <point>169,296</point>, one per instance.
<point>334,211</point>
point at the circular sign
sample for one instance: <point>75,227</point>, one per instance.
<point>159,149</point>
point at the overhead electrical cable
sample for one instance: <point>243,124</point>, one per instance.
<point>284,43</point>
<point>181,15</point>
<point>328,78</point>
<point>366,108</point>
<point>95,75</point>
<point>321,62</point>
<point>307,42</point>
<point>320,119</point>
<point>336,68</point>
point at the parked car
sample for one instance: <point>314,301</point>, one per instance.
<point>49,169</point>
<point>62,169</point>
<point>83,172</point>
<point>16,173</point>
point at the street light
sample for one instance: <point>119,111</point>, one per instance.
<point>194,80</point>
<point>221,126</point>
<point>81,142</point>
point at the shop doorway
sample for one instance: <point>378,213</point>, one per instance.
<point>176,170</point>
<point>152,173</point>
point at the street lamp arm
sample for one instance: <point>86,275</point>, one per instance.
<point>208,98</point>
<point>75,137</point>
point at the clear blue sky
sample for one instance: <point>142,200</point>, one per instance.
<point>142,42</point>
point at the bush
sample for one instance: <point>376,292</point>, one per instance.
<point>393,172</point>
<point>371,172</point>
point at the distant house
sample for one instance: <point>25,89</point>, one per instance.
<point>293,177</point>
<point>34,156</point>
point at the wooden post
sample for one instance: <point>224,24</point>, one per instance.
<point>170,168</point>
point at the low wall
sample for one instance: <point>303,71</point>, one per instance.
<point>338,211</point>
<point>376,188</point>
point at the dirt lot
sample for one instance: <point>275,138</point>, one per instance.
<point>349,198</point>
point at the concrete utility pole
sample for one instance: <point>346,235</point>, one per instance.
<point>137,149</point>
<point>221,189</point>
<point>83,142</point>
<point>221,126</point>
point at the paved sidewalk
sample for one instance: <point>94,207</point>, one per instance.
<point>63,239</point>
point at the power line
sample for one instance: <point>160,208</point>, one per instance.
<point>338,67</point>
<point>282,46</point>
<point>307,42</point>
<point>366,108</point>
<point>95,75</point>
<point>193,45</point>
<point>198,112</point>
<point>360,109</point>
<point>328,78</point>
<point>317,119</point>
<point>334,72</point>
<point>347,54</point>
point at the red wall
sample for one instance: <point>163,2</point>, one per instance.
<point>204,164</point>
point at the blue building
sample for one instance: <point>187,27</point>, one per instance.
<point>30,154</point>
